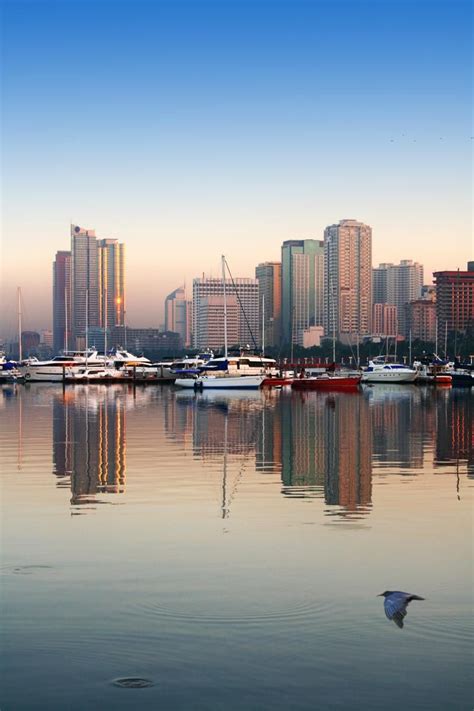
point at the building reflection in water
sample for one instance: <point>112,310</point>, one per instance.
<point>454,432</point>
<point>327,450</point>
<point>321,445</point>
<point>89,441</point>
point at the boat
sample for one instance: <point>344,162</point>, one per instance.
<point>461,377</point>
<point>432,373</point>
<point>327,381</point>
<point>382,372</point>
<point>277,381</point>
<point>226,382</point>
<point>55,369</point>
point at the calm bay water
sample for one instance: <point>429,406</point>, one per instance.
<point>229,548</point>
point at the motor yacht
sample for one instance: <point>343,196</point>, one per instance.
<point>381,372</point>
<point>55,369</point>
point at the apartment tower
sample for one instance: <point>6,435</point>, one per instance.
<point>348,279</point>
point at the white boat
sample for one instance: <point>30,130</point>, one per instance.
<point>54,370</point>
<point>222,382</point>
<point>388,373</point>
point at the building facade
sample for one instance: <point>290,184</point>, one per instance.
<point>62,301</point>
<point>421,320</point>
<point>268,276</point>
<point>454,301</point>
<point>245,290</point>
<point>111,265</point>
<point>178,315</point>
<point>97,284</point>
<point>302,288</point>
<point>384,320</point>
<point>348,279</point>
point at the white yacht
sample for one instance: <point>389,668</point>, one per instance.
<point>242,372</point>
<point>381,372</point>
<point>54,370</point>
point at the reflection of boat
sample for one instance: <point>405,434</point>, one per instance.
<point>327,381</point>
<point>388,373</point>
<point>92,375</point>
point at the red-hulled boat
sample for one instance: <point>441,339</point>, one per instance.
<point>276,382</point>
<point>327,381</point>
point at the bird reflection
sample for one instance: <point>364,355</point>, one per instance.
<point>395,605</point>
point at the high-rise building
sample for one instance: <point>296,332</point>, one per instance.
<point>454,301</point>
<point>62,301</point>
<point>348,279</point>
<point>268,276</point>
<point>404,284</point>
<point>379,283</point>
<point>302,288</point>
<point>84,283</point>
<point>178,315</point>
<point>211,322</point>
<point>97,284</point>
<point>111,266</point>
<point>245,290</point>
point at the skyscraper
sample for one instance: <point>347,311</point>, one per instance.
<point>98,281</point>
<point>84,282</point>
<point>268,276</point>
<point>62,301</point>
<point>348,279</point>
<point>302,288</point>
<point>178,315</point>
<point>245,290</point>
<point>111,266</point>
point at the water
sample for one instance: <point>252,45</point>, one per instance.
<point>166,550</point>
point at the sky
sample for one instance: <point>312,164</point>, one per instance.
<point>189,129</point>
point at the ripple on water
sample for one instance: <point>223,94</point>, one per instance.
<point>307,609</point>
<point>24,569</point>
<point>132,682</point>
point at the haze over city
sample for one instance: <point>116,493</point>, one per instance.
<point>230,128</point>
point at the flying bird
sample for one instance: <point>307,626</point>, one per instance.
<point>395,604</point>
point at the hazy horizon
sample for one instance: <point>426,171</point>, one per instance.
<point>188,130</point>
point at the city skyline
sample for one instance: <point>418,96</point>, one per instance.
<point>226,134</point>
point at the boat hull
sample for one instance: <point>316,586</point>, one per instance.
<point>276,382</point>
<point>331,383</point>
<point>388,377</point>
<point>246,382</point>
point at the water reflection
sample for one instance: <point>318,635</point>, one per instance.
<point>322,446</point>
<point>89,441</point>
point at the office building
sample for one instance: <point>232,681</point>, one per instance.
<point>178,315</point>
<point>404,284</point>
<point>302,288</point>
<point>211,322</point>
<point>348,279</point>
<point>62,301</point>
<point>379,283</point>
<point>454,301</point>
<point>268,276</point>
<point>245,290</point>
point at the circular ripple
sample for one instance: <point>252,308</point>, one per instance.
<point>24,569</point>
<point>132,682</point>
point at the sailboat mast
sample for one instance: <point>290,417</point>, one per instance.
<point>87,324</point>
<point>225,307</point>
<point>66,325</point>
<point>263,324</point>
<point>20,349</point>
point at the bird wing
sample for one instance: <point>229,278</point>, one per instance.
<point>395,609</point>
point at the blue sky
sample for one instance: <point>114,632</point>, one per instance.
<point>188,129</point>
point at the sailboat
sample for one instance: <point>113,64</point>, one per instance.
<point>243,372</point>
